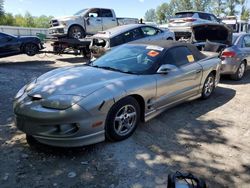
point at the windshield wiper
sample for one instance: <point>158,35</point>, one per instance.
<point>113,69</point>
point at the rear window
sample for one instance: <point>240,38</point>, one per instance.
<point>184,14</point>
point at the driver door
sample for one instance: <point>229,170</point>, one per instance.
<point>93,21</point>
<point>181,82</point>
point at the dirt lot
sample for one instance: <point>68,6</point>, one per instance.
<point>208,138</point>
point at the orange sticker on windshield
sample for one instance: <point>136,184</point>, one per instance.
<point>153,53</point>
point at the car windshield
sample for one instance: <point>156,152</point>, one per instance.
<point>80,12</point>
<point>130,58</point>
<point>183,15</point>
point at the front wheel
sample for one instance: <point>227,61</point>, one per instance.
<point>240,72</point>
<point>122,119</point>
<point>208,87</point>
<point>76,32</point>
<point>31,49</point>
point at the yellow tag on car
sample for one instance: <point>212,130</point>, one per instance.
<point>190,58</point>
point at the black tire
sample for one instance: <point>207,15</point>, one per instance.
<point>240,72</point>
<point>170,38</point>
<point>31,49</point>
<point>129,104</point>
<point>76,32</point>
<point>208,86</point>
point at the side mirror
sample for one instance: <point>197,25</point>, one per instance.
<point>165,69</point>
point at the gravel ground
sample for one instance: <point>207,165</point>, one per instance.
<point>210,139</point>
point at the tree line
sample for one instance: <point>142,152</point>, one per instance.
<point>220,8</point>
<point>26,20</point>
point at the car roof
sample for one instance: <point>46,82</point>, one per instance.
<point>119,30</point>
<point>167,44</point>
<point>191,11</point>
<point>162,43</point>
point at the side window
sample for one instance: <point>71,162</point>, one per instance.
<point>246,42</point>
<point>137,34</point>
<point>106,13</point>
<point>4,38</point>
<point>94,13</point>
<point>204,16</point>
<point>213,18</point>
<point>178,56</point>
<point>150,31</point>
<point>118,40</point>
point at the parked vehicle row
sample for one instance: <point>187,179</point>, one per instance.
<point>132,83</point>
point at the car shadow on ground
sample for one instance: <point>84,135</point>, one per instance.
<point>225,79</point>
<point>75,59</point>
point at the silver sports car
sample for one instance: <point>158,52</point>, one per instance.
<point>82,105</point>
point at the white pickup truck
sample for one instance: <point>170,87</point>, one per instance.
<point>87,22</point>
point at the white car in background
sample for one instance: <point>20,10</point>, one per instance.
<point>105,40</point>
<point>182,22</point>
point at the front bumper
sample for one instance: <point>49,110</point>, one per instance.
<point>58,31</point>
<point>72,127</point>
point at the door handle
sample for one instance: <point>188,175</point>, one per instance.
<point>98,20</point>
<point>113,20</point>
<point>198,71</point>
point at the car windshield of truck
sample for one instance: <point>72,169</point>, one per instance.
<point>130,58</point>
<point>80,12</point>
<point>183,14</point>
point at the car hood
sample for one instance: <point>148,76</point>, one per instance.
<point>80,81</point>
<point>67,18</point>
<point>213,32</point>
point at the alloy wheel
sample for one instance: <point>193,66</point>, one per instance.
<point>125,120</point>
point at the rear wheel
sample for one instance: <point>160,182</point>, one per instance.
<point>240,72</point>
<point>208,87</point>
<point>122,119</point>
<point>31,49</point>
<point>76,32</point>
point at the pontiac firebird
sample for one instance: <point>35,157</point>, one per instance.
<point>108,98</point>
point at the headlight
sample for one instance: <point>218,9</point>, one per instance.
<point>60,102</point>
<point>25,88</point>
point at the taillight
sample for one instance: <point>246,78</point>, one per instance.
<point>189,19</point>
<point>228,54</point>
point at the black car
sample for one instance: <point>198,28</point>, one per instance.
<point>12,45</point>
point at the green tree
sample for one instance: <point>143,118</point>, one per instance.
<point>163,12</point>
<point>29,19</point>
<point>42,21</point>
<point>150,15</point>
<point>218,7</point>
<point>201,5</point>
<point>1,7</point>
<point>231,10</point>
<point>245,12</point>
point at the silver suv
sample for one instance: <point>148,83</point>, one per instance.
<point>181,23</point>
